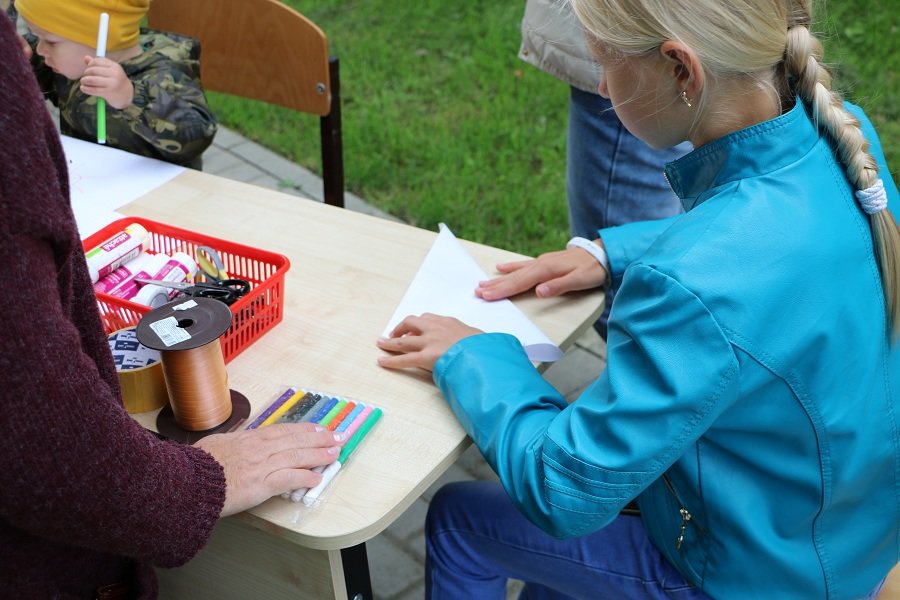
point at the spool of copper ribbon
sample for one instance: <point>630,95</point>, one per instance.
<point>186,332</point>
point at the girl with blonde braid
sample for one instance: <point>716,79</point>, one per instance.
<point>750,406</point>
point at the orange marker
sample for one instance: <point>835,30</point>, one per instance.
<point>340,416</point>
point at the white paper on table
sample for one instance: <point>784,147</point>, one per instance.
<point>103,179</point>
<point>445,285</point>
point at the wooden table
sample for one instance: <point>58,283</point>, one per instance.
<point>348,273</point>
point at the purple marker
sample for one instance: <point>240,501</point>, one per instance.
<point>287,395</point>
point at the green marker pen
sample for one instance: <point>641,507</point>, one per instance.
<point>328,474</point>
<point>102,34</point>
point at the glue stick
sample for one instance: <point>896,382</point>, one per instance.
<point>143,262</point>
<point>117,250</point>
<point>178,267</point>
<point>129,288</point>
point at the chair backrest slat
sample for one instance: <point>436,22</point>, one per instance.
<point>258,49</point>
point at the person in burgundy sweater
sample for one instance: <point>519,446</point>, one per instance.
<point>88,499</point>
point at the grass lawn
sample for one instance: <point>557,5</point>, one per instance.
<point>442,121</point>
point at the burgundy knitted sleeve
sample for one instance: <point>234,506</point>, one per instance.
<point>77,471</point>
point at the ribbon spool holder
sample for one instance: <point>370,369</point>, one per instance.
<point>186,332</point>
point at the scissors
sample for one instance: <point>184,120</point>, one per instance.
<point>226,290</point>
<point>210,263</point>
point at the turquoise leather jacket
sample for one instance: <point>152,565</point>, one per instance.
<point>751,382</point>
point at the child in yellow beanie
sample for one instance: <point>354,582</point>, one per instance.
<point>149,80</point>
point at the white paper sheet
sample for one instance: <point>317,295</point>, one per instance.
<point>445,285</point>
<point>102,179</point>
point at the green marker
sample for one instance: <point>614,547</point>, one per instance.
<point>328,474</point>
<point>359,435</point>
<point>102,34</point>
<point>101,121</point>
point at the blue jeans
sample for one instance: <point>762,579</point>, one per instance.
<point>476,539</point>
<point>612,177</point>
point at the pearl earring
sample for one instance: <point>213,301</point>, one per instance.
<point>685,98</point>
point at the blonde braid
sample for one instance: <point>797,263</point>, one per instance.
<point>811,80</point>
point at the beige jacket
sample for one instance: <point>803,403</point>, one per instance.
<point>553,41</point>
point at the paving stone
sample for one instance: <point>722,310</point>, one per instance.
<point>571,374</point>
<point>244,172</point>
<point>220,162</point>
<point>513,589</point>
<point>417,592</point>
<point>226,138</point>
<point>416,545</point>
<point>454,473</point>
<point>474,464</point>
<point>591,341</point>
<point>392,570</point>
<point>410,522</point>
<point>265,180</point>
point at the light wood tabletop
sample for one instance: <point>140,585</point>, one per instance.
<point>348,273</point>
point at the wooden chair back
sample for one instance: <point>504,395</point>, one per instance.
<point>264,50</point>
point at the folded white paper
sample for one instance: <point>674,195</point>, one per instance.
<point>445,285</point>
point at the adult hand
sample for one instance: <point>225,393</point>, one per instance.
<point>107,79</point>
<point>261,463</point>
<point>420,341</point>
<point>550,274</point>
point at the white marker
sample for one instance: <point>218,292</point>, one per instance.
<point>327,475</point>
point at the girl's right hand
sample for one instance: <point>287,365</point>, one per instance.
<point>551,274</point>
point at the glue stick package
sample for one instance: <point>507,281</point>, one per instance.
<point>129,288</point>
<point>178,267</point>
<point>143,262</point>
<point>117,250</point>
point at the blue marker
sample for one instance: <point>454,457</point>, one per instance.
<point>324,410</point>
<point>349,418</point>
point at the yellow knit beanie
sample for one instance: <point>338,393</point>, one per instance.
<point>78,20</point>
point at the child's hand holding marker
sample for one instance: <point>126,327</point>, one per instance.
<point>107,79</point>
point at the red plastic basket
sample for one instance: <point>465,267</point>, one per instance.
<point>254,314</point>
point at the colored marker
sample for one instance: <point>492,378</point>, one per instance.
<point>341,416</point>
<point>102,34</point>
<point>350,428</point>
<point>288,393</point>
<point>359,420</point>
<point>331,414</point>
<point>299,410</point>
<point>331,470</point>
<point>329,421</point>
<point>324,410</point>
<point>283,409</point>
<point>297,495</point>
<point>322,401</point>
<point>351,417</point>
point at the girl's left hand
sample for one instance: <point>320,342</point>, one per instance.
<point>420,341</point>
<point>107,79</point>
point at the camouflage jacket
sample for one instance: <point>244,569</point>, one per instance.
<point>168,119</point>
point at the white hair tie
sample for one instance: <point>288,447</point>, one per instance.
<point>873,199</point>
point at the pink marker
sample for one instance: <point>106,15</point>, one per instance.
<point>359,420</point>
